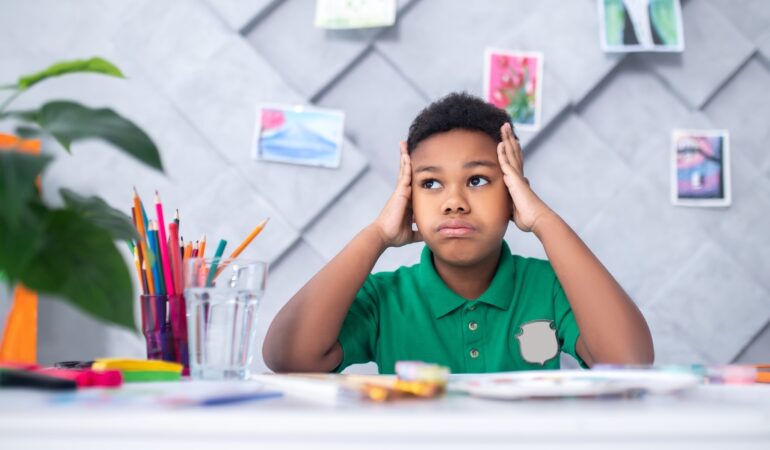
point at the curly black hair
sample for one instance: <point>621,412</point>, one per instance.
<point>458,110</point>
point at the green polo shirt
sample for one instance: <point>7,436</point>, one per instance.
<point>411,314</point>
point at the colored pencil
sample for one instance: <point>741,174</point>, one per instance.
<point>202,247</point>
<point>167,276</point>
<point>176,257</point>
<point>215,261</point>
<point>143,241</point>
<point>258,229</point>
<point>187,251</point>
<point>139,273</point>
<point>144,280</point>
<point>195,250</point>
<point>152,238</point>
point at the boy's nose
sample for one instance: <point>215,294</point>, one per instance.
<point>456,204</point>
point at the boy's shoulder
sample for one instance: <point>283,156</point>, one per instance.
<point>386,277</point>
<point>528,268</point>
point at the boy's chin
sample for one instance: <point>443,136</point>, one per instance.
<point>458,252</point>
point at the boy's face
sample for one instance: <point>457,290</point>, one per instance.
<point>460,201</point>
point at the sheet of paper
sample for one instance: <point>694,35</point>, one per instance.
<point>700,168</point>
<point>641,26</point>
<point>513,82</point>
<point>347,14</point>
<point>299,135</point>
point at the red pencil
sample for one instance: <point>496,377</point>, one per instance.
<point>176,257</point>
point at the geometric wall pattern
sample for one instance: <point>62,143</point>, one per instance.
<point>197,70</point>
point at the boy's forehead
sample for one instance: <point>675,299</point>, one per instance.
<point>454,145</point>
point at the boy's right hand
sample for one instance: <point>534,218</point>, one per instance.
<point>394,224</point>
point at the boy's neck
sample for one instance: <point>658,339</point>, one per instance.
<point>469,282</point>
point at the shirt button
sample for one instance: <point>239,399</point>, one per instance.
<point>472,308</point>
<point>474,353</point>
<point>472,326</point>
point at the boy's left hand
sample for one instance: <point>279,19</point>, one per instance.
<point>527,206</point>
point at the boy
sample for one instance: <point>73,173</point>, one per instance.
<point>469,304</point>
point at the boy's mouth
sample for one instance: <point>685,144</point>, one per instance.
<point>455,228</point>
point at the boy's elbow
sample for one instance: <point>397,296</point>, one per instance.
<point>275,355</point>
<point>279,359</point>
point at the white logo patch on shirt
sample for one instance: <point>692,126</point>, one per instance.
<point>537,341</point>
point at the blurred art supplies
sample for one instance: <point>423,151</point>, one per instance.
<point>299,135</point>
<point>596,383</point>
<point>346,14</point>
<point>513,82</point>
<point>700,168</point>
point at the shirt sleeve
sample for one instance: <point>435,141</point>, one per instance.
<point>358,335</point>
<point>566,327</point>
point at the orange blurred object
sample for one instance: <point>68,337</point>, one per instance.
<point>19,342</point>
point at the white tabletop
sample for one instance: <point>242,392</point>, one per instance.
<point>708,416</point>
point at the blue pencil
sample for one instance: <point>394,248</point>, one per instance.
<point>152,237</point>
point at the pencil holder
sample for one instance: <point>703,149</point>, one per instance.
<point>178,322</point>
<point>156,328</point>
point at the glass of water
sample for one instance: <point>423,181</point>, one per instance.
<point>222,296</point>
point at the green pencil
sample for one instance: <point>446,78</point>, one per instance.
<point>215,261</point>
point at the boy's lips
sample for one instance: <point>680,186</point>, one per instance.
<point>455,227</point>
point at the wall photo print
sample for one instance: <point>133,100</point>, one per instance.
<point>513,82</point>
<point>350,14</point>
<point>700,168</point>
<point>641,25</point>
<point>299,135</point>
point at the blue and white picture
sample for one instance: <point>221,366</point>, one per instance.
<point>299,135</point>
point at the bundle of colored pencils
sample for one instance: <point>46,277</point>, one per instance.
<point>160,260</point>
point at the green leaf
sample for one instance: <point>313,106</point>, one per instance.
<point>93,65</point>
<point>18,172</point>
<point>99,213</point>
<point>20,242</point>
<point>80,263</point>
<point>69,121</point>
<point>27,132</point>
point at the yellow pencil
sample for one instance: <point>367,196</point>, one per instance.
<point>188,250</point>
<point>143,242</point>
<point>258,229</point>
<point>249,238</point>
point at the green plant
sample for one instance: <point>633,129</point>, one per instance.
<point>68,251</point>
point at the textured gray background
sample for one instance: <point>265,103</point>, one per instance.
<point>198,69</point>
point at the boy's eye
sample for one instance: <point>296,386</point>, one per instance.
<point>431,184</point>
<point>477,181</point>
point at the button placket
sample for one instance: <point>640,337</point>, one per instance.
<point>472,336</point>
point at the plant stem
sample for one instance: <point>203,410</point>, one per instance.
<point>9,100</point>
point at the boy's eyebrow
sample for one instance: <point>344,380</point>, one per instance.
<point>427,169</point>
<point>468,165</point>
<point>479,163</point>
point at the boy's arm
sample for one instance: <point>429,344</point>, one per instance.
<point>303,336</point>
<point>612,329</point>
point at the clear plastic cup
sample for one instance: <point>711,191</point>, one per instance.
<point>222,299</point>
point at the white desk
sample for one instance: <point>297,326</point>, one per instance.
<point>734,417</point>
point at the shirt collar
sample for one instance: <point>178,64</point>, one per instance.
<point>443,300</point>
